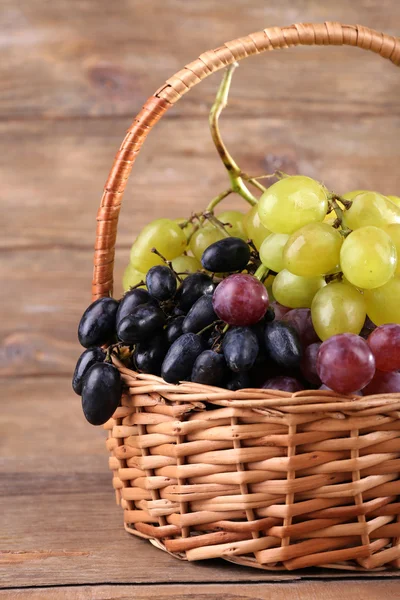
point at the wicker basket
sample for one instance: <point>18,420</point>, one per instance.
<point>259,477</point>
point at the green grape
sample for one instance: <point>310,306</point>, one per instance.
<point>236,220</point>
<point>312,250</point>
<point>394,199</point>
<point>383,304</point>
<point>271,251</point>
<point>204,237</point>
<point>338,308</point>
<point>393,231</point>
<point>188,229</point>
<point>294,291</point>
<point>163,234</point>
<point>368,257</point>
<point>184,263</point>
<point>132,277</point>
<point>291,203</point>
<point>371,208</point>
<point>351,195</point>
<point>255,230</point>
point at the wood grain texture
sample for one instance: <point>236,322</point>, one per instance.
<point>105,58</point>
<point>72,77</point>
<point>310,590</point>
<point>50,197</point>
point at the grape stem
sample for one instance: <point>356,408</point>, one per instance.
<point>217,224</point>
<point>333,205</point>
<point>234,171</point>
<point>208,327</point>
<point>167,262</point>
<point>261,273</point>
<point>218,199</point>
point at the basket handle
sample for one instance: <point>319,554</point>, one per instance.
<point>273,38</point>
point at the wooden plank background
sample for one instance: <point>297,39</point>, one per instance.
<point>73,73</point>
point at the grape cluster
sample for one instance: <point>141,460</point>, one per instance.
<point>301,292</point>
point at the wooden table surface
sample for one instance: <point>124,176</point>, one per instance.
<point>73,73</point>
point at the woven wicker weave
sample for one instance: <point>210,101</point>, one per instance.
<point>259,477</point>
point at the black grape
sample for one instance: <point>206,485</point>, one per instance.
<point>174,329</point>
<point>97,325</point>
<point>194,286</point>
<point>149,355</point>
<point>180,358</point>
<point>239,381</point>
<point>145,320</point>
<point>200,315</point>
<point>283,344</point>
<point>87,359</point>
<point>240,348</point>
<point>226,256</point>
<point>101,393</point>
<point>130,301</point>
<point>210,368</point>
<point>161,282</point>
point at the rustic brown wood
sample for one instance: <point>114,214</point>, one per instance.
<point>42,193</point>
<point>310,590</point>
<point>106,59</point>
<point>61,71</point>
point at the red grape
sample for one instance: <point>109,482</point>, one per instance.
<point>240,299</point>
<point>279,310</point>
<point>345,363</point>
<point>285,384</point>
<point>325,387</point>
<point>383,383</point>
<point>300,319</point>
<point>384,342</point>
<point>309,363</point>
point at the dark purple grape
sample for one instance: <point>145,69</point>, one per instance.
<point>384,342</point>
<point>300,319</point>
<point>190,290</point>
<point>149,355</point>
<point>239,381</point>
<point>161,282</point>
<point>283,345</point>
<point>97,325</point>
<point>270,314</point>
<point>279,310</point>
<point>209,369</point>
<point>285,384</point>
<point>308,364</point>
<point>180,358</point>
<point>174,329</point>
<point>345,363</point>
<point>130,301</point>
<point>87,359</point>
<point>240,348</point>
<point>383,383</point>
<point>226,256</point>
<point>200,315</point>
<point>101,393</point>
<point>143,322</point>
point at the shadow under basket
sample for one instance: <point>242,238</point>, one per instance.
<point>259,477</point>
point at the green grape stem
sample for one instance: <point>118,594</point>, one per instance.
<point>261,273</point>
<point>218,199</point>
<point>333,205</point>
<point>216,223</point>
<point>234,171</point>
